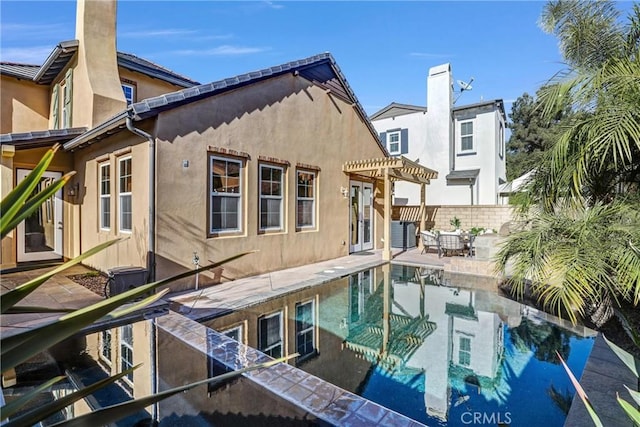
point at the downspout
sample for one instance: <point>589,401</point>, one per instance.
<point>151,250</point>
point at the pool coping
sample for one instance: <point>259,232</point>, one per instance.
<point>320,398</point>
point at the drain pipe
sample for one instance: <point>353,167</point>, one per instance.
<point>151,250</point>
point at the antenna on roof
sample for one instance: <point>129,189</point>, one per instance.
<point>463,86</point>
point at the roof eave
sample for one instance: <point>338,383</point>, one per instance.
<point>69,46</point>
<point>98,132</point>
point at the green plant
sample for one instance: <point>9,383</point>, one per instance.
<point>18,348</point>
<point>455,222</point>
<point>477,230</point>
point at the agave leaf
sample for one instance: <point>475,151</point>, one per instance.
<point>629,409</point>
<point>11,298</point>
<point>22,309</point>
<point>114,413</point>
<point>44,411</point>
<point>33,204</point>
<point>11,204</point>
<point>20,347</point>
<point>581,393</point>
<point>14,406</point>
<point>133,307</point>
<point>627,358</point>
<point>634,394</point>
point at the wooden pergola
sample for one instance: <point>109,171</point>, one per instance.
<point>390,170</point>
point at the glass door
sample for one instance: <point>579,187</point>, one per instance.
<point>361,216</point>
<point>40,235</point>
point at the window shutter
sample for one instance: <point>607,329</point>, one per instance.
<point>383,139</point>
<point>68,97</point>
<point>404,141</point>
<point>55,106</point>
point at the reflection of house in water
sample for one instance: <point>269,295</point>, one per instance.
<point>440,331</point>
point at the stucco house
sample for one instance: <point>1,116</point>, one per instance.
<point>282,160</point>
<point>465,144</point>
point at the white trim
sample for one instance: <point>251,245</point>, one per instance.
<point>237,195</point>
<point>133,93</point>
<point>280,342</point>
<point>125,194</point>
<point>103,358</point>
<point>311,199</point>
<point>102,196</point>
<point>129,346</point>
<point>466,135</point>
<point>311,328</point>
<point>399,142</point>
<point>262,197</point>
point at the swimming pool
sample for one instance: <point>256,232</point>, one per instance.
<point>403,337</point>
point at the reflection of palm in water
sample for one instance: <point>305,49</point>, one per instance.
<point>543,339</point>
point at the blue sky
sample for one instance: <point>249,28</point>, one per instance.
<point>384,49</point>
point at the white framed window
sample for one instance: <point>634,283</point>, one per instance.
<point>271,197</point>
<point>270,334</point>
<point>235,332</point>
<point>105,196</point>
<point>466,136</point>
<point>124,194</point>
<point>306,199</point>
<point>464,352</point>
<point>501,140</point>
<point>393,142</point>
<point>105,346</point>
<point>129,93</point>
<point>126,350</point>
<point>225,210</point>
<point>305,329</point>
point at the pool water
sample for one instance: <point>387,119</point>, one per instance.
<point>403,337</point>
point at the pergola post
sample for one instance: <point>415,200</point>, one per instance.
<point>386,250</point>
<point>423,212</point>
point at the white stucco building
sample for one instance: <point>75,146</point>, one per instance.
<point>465,144</point>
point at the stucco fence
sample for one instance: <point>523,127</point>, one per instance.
<point>438,217</point>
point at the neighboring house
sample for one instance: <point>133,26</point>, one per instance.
<point>282,160</point>
<point>464,144</point>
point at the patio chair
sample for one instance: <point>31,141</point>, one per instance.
<point>451,243</point>
<point>429,240</point>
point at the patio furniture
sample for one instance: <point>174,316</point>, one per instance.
<point>451,243</point>
<point>429,240</point>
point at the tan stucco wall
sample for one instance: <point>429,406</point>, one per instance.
<point>132,251</point>
<point>147,87</point>
<point>25,105</point>
<point>286,118</point>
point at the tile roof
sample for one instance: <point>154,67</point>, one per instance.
<point>43,138</point>
<point>395,109</point>
<point>64,51</point>
<point>320,69</point>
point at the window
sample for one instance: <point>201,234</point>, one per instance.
<point>466,136</point>
<point>236,333</point>
<point>105,196</point>
<point>501,140</point>
<point>226,195</point>
<point>464,353</point>
<point>129,93</point>
<point>105,345</point>
<point>270,197</point>
<point>126,350</point>
<point>305,335</point>
<point>305,203</point>
<point>124,192</point>
<point>270,334</point>
<point>394,143</point>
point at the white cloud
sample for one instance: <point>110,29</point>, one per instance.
<point>169,32</point>
<point>26,55</point>
<point>224,50</point>
<point>273,5</point>
<point>15,31</point>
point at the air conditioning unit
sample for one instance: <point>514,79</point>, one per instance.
<point>121,279</point>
